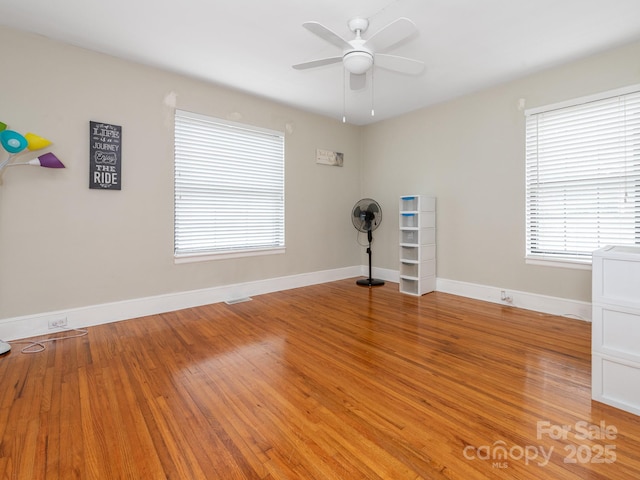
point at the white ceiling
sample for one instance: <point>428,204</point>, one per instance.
<point>250,45</point>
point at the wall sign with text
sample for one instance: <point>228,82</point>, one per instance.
<point>105,162</point>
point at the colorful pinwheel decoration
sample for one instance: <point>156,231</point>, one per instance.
<point>18,145</point>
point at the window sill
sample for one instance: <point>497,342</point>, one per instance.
<point>559,262</point>
<point>207,257</point>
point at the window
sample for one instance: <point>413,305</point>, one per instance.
<point>583,176</point>
<point>229,188</point>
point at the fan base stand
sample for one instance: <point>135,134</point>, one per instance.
<point>369,282</point>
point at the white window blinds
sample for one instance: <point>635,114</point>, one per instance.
<point>229,187</point>
<point>583,177</point>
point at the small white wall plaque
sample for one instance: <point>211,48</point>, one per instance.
<point>326,157</point>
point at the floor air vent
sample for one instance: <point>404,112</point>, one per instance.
<point>238,300</point>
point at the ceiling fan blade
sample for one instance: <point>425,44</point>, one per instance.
<point>399,64</point>
<point>317,63</point>
<point>326,34</point>
<point>391,34</point>
<point>357,82</point>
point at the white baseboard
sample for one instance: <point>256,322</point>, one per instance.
<point>526,300</point>
<point>385,274</point>
<point>34,325</point>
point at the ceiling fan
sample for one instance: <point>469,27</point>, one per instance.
<point>360,55</point>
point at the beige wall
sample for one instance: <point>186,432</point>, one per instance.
<point>470,154</point>
<point>63,245</point>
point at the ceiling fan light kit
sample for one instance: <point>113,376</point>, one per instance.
<point>357,62</point>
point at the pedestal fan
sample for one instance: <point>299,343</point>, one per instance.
<point>366,217</point>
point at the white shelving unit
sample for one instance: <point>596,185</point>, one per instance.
<point>417,244</point>
<point>615,338</point>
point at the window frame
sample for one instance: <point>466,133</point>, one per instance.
<point>582,261</point>
<point>274,183</point>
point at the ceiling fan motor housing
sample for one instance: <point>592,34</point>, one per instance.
<point>359,59</point>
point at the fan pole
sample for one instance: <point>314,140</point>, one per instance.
<point>369,282</point>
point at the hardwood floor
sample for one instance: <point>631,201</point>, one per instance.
<point>332,381</point>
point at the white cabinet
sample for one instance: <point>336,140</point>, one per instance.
<point>615,335</point>
<point>417,244</point>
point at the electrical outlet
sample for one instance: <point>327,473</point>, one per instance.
<point>506,297</point>
<point>57,322</point>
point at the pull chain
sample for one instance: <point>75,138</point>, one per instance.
<point>373,112</point>
<point>344,95</point>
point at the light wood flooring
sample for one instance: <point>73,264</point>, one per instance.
<point>332,381</point>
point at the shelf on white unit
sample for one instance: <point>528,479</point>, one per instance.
<point>409,277</point>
